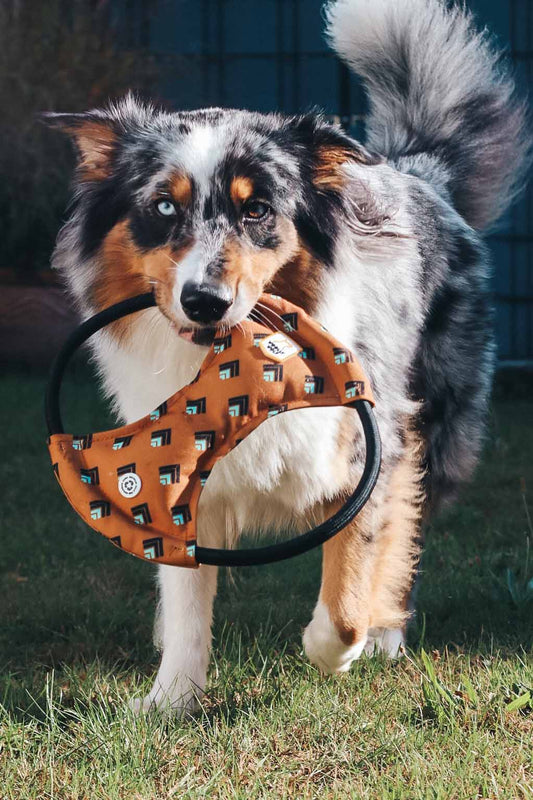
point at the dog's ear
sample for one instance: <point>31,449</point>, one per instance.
<point>333,150</point>
<point>330,149</point>
<point>95,137</point>
<point>329,160</point>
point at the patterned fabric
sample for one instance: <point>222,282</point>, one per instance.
<point>139,485</point>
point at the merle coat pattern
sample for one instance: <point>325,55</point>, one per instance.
<point>382,242</point>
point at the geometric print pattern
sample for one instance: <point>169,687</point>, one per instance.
<point>168,455</point>
<point>90,476</point>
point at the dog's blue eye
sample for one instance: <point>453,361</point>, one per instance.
<point>165,208</point>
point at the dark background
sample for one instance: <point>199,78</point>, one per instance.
<point>264,55</point>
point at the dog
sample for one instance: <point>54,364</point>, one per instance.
<point>381,242</point>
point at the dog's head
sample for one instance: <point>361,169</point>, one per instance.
<point>210,208</point>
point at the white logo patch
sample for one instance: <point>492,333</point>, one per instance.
<point>279,347</point>
<point>129,484</point>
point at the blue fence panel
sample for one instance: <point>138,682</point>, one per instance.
<point>512,244</point>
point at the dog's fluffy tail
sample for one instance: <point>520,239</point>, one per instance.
<point>441,102</point>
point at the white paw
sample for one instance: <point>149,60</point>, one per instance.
<point>390,641</point>
<point>141,705</point>
<point>178,701</point>
<point>325,648</point>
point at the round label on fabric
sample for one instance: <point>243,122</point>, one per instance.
<point>129,484</point>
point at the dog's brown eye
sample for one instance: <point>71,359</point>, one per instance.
<point>255,210</point>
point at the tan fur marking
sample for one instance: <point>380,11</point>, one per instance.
<point>95,143</point>
<point>366,582</point>
<point>241,189</point>
<point>181,189</point>
<point>300,280</point>
<point>328,172</point>
<point>397,550</point>
<point>126,271</point>
<point>347,577</point>
<point>121,274</point>
<point>253,268</point>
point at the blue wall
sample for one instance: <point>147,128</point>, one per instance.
<point>270,54</point>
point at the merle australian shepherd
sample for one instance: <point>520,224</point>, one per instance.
<point>381,242</point>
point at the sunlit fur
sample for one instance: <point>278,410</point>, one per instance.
<point>382,245</point>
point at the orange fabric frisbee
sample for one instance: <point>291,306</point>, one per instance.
<point>139,484</point>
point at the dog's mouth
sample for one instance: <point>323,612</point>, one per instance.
<point>205,334</point>
<point>201,336</point>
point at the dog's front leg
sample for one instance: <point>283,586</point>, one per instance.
<point>338,632</point>
<point>183,631</point>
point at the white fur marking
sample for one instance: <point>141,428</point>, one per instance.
<point>389,641</point>
<point>184,633</point>
<point>323,645</point>
<point>201,152</point>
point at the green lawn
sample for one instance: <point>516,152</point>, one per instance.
<point>452,720</point>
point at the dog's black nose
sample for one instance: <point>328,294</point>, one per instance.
<point>204,302</point>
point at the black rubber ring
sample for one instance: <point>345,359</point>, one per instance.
<point>210,555</point>
<point>78,337</point>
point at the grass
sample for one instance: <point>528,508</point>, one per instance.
<point>452,720</point>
